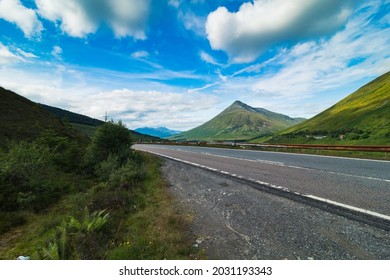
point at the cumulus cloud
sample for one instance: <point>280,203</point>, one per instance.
<point>153,108</point>
<point>26,19</point>
<point>78,18</point>
<point>245,34</point>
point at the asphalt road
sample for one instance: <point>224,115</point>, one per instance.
<point>359,184</point>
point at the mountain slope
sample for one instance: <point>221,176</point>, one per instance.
<point>22,119</point>
<point>363,117</point>
<point>238,122</point>
<point>71,116</point>
<point>88,125</point>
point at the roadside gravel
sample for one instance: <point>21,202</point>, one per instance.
<point>232,220</point>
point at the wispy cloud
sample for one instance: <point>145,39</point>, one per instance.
<point>140,54</point>
<point>8,57</point>
<point>70,88</point>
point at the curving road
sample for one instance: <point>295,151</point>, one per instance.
<point>361,185</point>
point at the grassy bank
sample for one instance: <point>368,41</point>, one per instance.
<point>143,223</point>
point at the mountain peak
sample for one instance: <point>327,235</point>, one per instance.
<point>240,105</point>
<point>238,122</point>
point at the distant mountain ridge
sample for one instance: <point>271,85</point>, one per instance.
<point>362,117</point>
<point>23,119</point>
<point>239,122</point>
<point>161,132</point>
<point>87,124</point>
<point>71,116</point>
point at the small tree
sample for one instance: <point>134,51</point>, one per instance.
<point>109,139</point>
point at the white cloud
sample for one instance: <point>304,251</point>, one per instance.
<point>73,16</point>
<point>92,92</point>
<point>321,66</point>
<point>25,54</point>
<point>57,52</point>
<point>26,19</point>
<point>208,58</point>
<point>140,54</point>
<point>153,108</point>
<point>245,34</point>
<point>193,22</point>
<point>174,3</point>
<point>129,17</point>
<point>78,18</point>
<point>8,57</point>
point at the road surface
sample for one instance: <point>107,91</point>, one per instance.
<point>361,185</point>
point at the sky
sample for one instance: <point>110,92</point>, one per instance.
<point>178,63</point>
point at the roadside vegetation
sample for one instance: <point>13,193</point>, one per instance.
<point>60,199</point>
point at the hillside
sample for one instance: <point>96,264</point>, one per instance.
<point>161,132</point>
<point>22,119</point>
<point>72,117</point>
<point>363,117</point>
<point>88,125</point>
<point>239,122</point>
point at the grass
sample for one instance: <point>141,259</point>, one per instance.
<point>149,227</point>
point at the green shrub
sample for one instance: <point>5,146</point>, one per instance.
<point>105,168</point>
<point>127,176</point>
<point>22,174</point>
<point>29,179</point>
<point>67,154</point>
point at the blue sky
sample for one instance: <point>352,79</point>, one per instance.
<point>178,63</point>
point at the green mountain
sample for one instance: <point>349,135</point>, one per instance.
<point>22,119</point>
<point>363,117</point>
<point>238,122</point>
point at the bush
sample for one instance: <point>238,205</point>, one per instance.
<point>66,153</point>
<point>29,178</point>
<point>22,174</point>
<point>129,175</point>
<point>105,168</point>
